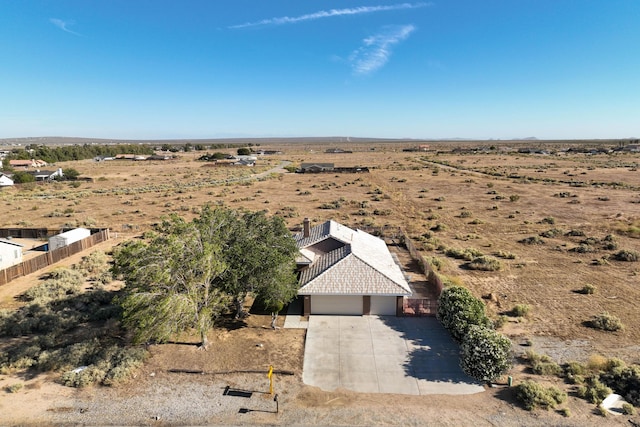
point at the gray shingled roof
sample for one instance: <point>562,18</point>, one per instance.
<point>363,266</point>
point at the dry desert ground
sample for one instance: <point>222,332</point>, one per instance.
<point>568,205</point>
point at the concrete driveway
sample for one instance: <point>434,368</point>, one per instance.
<point>383,354</point>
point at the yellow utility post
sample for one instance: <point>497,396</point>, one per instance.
<point>270,376</point>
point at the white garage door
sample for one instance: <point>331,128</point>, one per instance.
<point>383,306</point>
<point>337,305</point>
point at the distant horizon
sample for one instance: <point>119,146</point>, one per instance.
<point>327,139</point>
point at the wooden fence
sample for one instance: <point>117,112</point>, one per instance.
<point>25,233</point>
<point>422,306</point>
<point>46,259</point>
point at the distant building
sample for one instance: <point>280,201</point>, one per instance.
<point>40,175</point>
<point>337,151</point>
<point>68,237</point>
<point>10,253</point>
<point>316,167</point>
<point>26,164</point>
<point>5,180</point>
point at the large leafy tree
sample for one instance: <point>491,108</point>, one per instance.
<point>258,251</point>
<point>170,283</point>
<point>485,353</point>
<point>186,274</point>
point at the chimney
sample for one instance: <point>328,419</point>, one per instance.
<point>306,227</point>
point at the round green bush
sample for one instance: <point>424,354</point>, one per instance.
<point>485,354</point>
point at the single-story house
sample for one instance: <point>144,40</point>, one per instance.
<point>103,158</point>
<point>245,160</point>
<point>10,253</point>
<point>347,272</point>
<point>47,175</point>
<point>316,167</point>
<point>26,164</point>
<point>5,180</point>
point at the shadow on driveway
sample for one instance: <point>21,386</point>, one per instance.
<point>380,354</point>
<point>432,354</point>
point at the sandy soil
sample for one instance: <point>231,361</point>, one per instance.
<point>416,191</point>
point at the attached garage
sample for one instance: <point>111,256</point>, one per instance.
<point>383,306</point>
<point>343,305</point>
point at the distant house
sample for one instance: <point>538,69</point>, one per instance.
<point>160,157</point>
<point>21,164</point>
<point>337,151</point>
<point>103,158</point>
<point>10,253</point>
<point>41,175</point>
<point>268,152</point>
<point>26,164</point>
<point>125,156</point>
<point>244,160</point>
<point>316,167</point>
<point>5,180</point>
<point>633,148</point>
<point>347,272</point>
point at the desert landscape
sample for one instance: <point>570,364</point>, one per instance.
<point>559,219</point>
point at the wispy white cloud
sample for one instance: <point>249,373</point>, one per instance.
<point>376,50</point>
<point>330,14</point>
<point>63,25</point>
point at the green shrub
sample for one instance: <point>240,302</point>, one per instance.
<point>485,353</point>
<point>520,310</point>
<point>466,214</point>
<point>533,240</point>
<point>574,368</point>
<point>626,255</point>
<point>606,322</point>
<point>83,377</point>
<point>534,357</point>
<point>499,322</point>
<point>467,254</point>
<point>628,409</point>
<point>14,388</point>
<point>533,395</point>
<point>93,264</point>
<point>548,220</point>
<point>554,232</point>
<point>458,309</point>
<point>565,412</point>
<point>505,255</point>
<point>485,263</point>
<point>602,411</point>
<point>439,227</point>
<point>547,368</point>
<point>593,390</point>
<point>625,380</point>
<point>514,198</point>
<point>588,289</point>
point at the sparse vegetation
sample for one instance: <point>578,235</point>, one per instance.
<point>533,395</point>
<point>520,310</point>
<point>606,322</point>
<point>627,255</point>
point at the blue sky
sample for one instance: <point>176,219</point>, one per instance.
<point>156,69</point>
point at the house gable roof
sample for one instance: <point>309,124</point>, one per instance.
<point>9,242</point>
<point>363,265</point>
